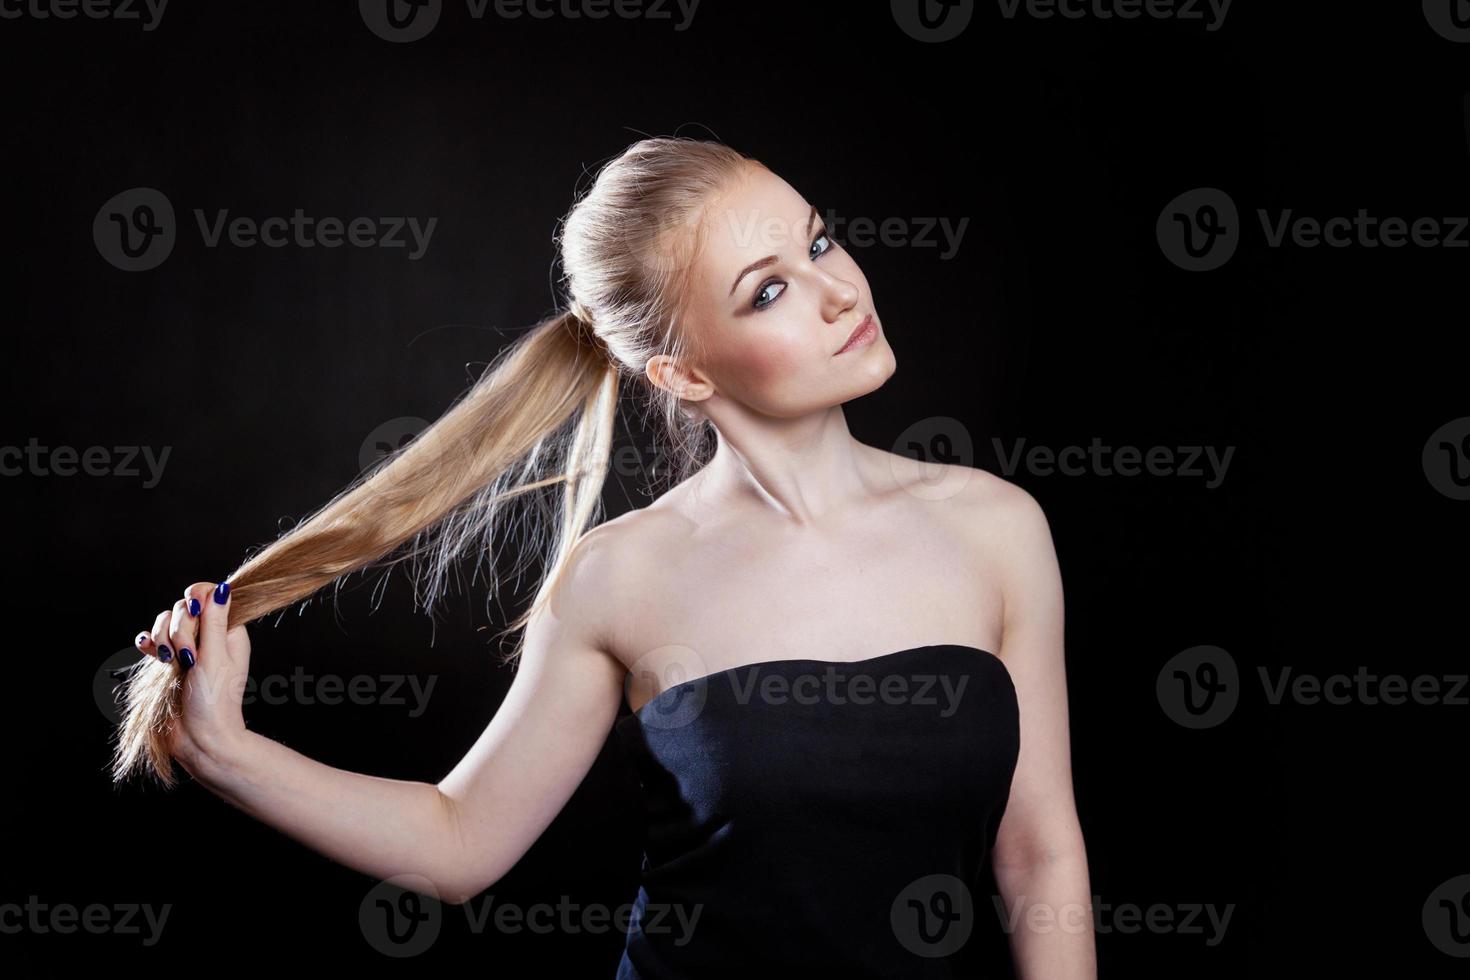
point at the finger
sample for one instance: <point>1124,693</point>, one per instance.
<point>160,637</point>
<point>195,596</point>
<point>182,631</point>
<point>214,620</point>
<point>144,642</point>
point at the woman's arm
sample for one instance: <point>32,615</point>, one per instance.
<point>464,833</point>
<point>1040,861</point>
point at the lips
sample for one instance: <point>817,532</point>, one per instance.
<point>857,332</point>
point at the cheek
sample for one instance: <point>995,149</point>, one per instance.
<point>765,359</point>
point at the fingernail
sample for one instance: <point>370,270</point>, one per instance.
<point>222,593</point>
<point>193,606</point>
<point>187,656</point>
<point>164,653</point>
<point>140,639</point>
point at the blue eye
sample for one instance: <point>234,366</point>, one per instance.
<point>771,284</point>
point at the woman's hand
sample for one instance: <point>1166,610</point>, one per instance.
<point>214,663</point>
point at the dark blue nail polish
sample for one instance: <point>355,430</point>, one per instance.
<point>187,656</point>
<point>222,593</point>
<point>140,639</point>
<point>164,653</point>
<point>193,606</point>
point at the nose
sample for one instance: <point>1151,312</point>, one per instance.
<point>838,296</point>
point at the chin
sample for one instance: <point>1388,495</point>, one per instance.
<point>871,376</point>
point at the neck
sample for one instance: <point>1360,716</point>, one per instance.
<point>799,469</point>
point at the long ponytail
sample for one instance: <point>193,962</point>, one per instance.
<point>539,418</point>
<point>548,399</point>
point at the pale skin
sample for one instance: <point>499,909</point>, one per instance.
<point>795,541</point>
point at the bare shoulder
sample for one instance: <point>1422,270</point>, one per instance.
<point>1000,519</point>
<point>610,569</point>
<point>1012,530</point>
<point>976,499</point>
<point>1002,510</point>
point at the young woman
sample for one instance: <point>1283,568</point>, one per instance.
<point>847,678</point>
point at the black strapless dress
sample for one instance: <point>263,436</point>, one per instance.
<point>819,818</point>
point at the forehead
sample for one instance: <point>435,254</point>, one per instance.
<point>757,216</point>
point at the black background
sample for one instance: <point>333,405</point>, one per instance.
<point>1059,320</point>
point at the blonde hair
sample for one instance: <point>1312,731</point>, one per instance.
<point>539,418</point>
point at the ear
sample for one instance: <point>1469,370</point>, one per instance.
<point>687,382</point>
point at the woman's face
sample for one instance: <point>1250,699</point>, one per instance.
<point>774,299</point>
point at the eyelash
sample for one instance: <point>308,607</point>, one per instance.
<point>765,285</point>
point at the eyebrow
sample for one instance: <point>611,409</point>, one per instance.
<point>769,259</point>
